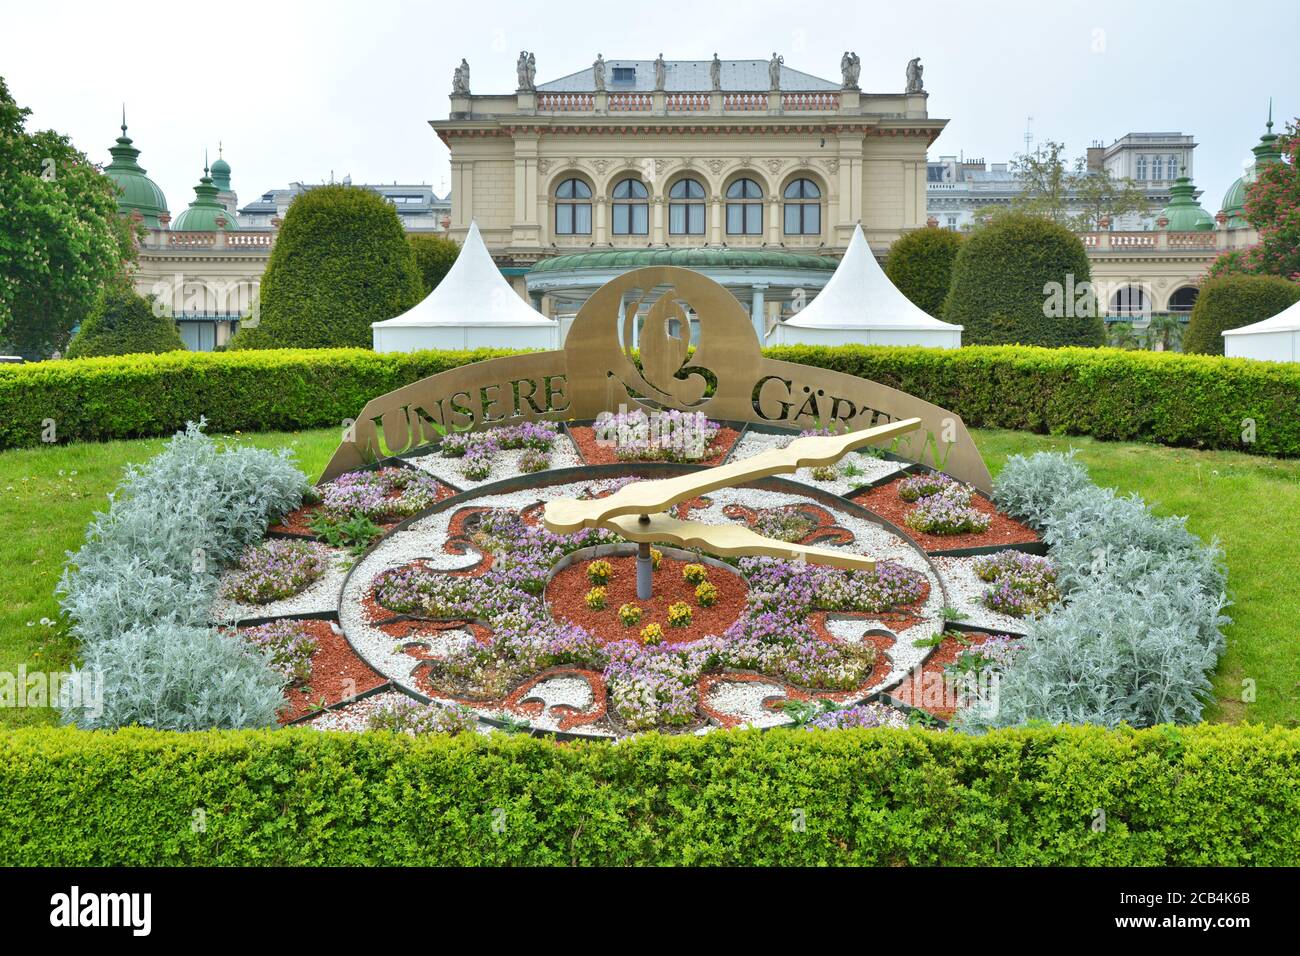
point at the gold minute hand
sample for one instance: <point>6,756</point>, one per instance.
<point>567,515</point>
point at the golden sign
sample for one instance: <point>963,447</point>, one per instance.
<point>726,377</point>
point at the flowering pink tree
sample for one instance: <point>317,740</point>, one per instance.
<point>1272,207</point>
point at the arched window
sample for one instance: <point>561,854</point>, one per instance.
<point>1130,301</point>
<point>631,211</point>
<point>803,208</point>
<point>1183,300</point>
<point>573,208</point>
<point>686,208</point>
<point>744,208</point>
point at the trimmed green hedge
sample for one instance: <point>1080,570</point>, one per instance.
<point>1232,302</point>
<point>1114,394</point>
<point>1221,795</point>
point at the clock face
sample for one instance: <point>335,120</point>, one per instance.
<point>468,605</point>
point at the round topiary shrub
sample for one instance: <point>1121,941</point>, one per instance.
<point>1231,301</point>
<point>920,264</point>
<point>341,262</point>
<point>1020,280</point>
<point>434,257</point>
<point>123,323</point>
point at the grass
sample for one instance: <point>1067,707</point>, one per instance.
<point>47,497</point>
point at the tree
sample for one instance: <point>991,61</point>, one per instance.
<point>61,237</point>
<point>1272,207</point>
<point>1232,301</point>
<point>1024,280</point>
<point>1079,198</point>
<point>920,264</point>
<point>124,323</point>
<point>341,262</point>
<point>434,256</point>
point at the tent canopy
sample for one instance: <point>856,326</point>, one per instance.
<point>859,298</point>
<point>474,293</point>
<point>1276,339</point>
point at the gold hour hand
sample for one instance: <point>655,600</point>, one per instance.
<point>567,515</point>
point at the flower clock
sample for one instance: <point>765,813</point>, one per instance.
<point>633,574</point>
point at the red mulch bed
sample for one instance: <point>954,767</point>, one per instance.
<point>927,690</point>
<point>566,592</point>
<point>594,453</point>
<point>337,673</point>
<point>884,501</point>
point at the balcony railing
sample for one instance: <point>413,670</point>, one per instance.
<point>566,102</point>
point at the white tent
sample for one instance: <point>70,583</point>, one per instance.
<point>472,307</point>
<point>1273,340</point>
<point>860,305</point>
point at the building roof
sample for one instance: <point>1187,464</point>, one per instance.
<point>205,213</point>
<point>1184,213</point>
<point>474,293</point>
<point>136,191</point>
<point>697,258</point>
<point>688,76</point>
<point>409,199</point>
<point>860,296</point>
<point>221,172</point>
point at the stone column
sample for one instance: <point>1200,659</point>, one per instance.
<point>758,310</point>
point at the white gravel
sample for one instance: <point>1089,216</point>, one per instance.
<point>744,700</point>
<point>355,717</point>
<point>505,464</point>
<point>873,469</point>
<point>966,592</point>
<point>322,595</point>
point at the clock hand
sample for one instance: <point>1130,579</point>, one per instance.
<point>727,540</point>
<point>567,515</point>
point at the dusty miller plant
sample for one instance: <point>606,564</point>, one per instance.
<point>1140,629</point>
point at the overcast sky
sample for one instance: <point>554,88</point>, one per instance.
<point>300,91</point>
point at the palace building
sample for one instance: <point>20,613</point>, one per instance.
<point>751,170</point>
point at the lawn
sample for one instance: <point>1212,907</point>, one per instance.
<point>47,497</point>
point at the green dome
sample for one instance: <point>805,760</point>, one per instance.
<point>1266,151</point>
<point>690,258</point>
<point>1184,213</point>
<point>221,173</point>
<point>136,191</point>
<point>205,214</point>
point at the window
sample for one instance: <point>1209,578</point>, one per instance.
<point>1157,168</point>
<point>631,211</point>
<point>803,208</point>
<point>1174,170</point>
<point>1183,300</point>
<point>624,74</point>
<point>1142,168</point>
<point>952,222</point>
<point>573,208</point>
<point>686,208</point>
<point>744,208</point>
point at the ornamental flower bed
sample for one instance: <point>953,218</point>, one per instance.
<point>655,436</point>
<point>276,569</point>
<point>648,685</point>
<point>383,496</point>
<point>889,502</point>
<point>1022,584</point>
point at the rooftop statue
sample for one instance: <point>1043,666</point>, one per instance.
<point>914,71</point>
<point>774,72</point>
<point>850,69</point>
<point>715,73</point>
<point>660,70</point>
<point>460,79</point>
<point>526,71</point>
<point>598,72</point>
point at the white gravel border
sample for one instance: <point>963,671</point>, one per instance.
<point>967,591</point>
<point>873,469</point>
